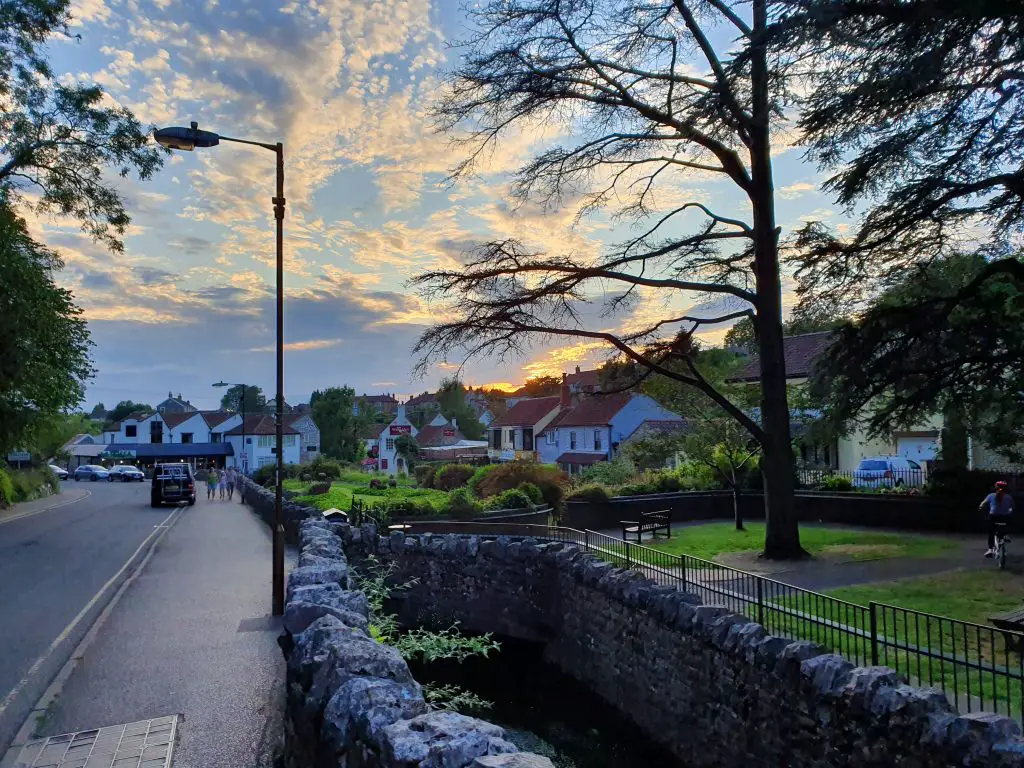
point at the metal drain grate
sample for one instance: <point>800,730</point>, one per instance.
<point>143,744</point>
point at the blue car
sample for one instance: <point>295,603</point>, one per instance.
<point>92,472</point>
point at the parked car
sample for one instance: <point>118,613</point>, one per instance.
<point>126,474</point>
<point>173,484</point>
<point>92,472</point>
<point>60,472</point>
<point>888,472</point>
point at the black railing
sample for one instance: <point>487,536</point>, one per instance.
<point>977,667</point>
<point>861,479</point>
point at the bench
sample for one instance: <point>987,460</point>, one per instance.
<point>657,524</point>
<point>1012,621</point>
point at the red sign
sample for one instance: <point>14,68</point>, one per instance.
<point>448,432</point>
<point>401,429</point>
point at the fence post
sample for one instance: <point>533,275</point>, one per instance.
<point>586,539</point>
<point>682,567</point>
<point>874,634</point>
<point>760,600</point>
<point>628,564</point>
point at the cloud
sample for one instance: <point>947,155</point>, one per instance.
<point>301,346</point>
<point>793,191</point>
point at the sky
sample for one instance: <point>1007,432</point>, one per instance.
<point>346,86</point>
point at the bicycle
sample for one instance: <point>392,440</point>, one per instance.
<point>1001,539</point>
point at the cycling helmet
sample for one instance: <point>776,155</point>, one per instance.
<point>1001,485</point>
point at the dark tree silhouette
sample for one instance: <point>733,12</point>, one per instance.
<point>651,92</point>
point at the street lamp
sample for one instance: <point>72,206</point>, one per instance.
<point>188,139</point>
<point>244,456</point>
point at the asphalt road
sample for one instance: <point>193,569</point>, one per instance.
<point>52,566</point>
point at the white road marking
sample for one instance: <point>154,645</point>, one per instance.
<point>23,515</point>
<point>9,698</point>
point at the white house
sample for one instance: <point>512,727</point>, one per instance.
<point>592,429</point>
<point>511,435</point>
<point>388,460</point>
<point>260,443</point>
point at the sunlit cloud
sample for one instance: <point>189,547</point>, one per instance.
<point>301,346</point>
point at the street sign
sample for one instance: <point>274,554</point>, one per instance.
<point>19,456</point>
<point>243,455</point>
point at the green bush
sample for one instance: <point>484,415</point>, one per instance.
<point>265,474</point>
<point>424,474</point>
<point>462,504</point>
<point>480,475</point>
<point>591,492</point>
<point>452,476</point>
<point>323,466</point>
<point>513,498</point>
<point>407,507</point>
<point>6,488</point>
<point>502,477</point>
<point>531,490</point>
<point>836,483</point>
<point>318,489</point>
<point>609,473</point>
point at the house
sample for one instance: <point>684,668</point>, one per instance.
<point>370,437</point>
<point>511,436</point>
<point>388,459</point>
<point>385,403</point>
<point>271,406</point>
<point>921,442</point>
<point>591,428</point>
<point>658,428</point>
<point>422,408</point>
<point>175,405</point>
<point>220,422</point>
<point>439,432</point>
<point>309,435</point>
<point>583,382</point>
<point>146,438</point>
<point>260,447</point>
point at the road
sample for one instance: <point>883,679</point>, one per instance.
<point>58,570</point>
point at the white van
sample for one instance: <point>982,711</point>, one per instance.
<point>888,472</point>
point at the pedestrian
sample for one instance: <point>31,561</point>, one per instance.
<point>231,482</point>
<point>222,485</point>
<point>211,481</point>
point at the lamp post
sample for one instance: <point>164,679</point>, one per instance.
<point>188,139</point>
<point>244,456</point>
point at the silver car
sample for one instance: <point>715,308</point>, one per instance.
<point>92,472</point>
<point>60,472</point>
<point>126,474</point>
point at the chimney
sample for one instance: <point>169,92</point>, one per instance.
<point>577,369</point>
<point>564,375</point>
<point>401,411</point>
<point>169,394</point>
<point>566,399</point>
<point>455,423</point>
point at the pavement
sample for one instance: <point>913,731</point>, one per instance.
<point>189,641</point>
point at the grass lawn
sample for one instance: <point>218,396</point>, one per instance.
<point>706,541</point>
<point>343,492</point>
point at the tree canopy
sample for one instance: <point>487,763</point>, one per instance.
<point>99,411</point>
<point>44,342</point>
<point>541,386</point>
<point>452,398</point>
<point>125,407</point>
<point>648,96</point>
<point>339,427</point>
<point>255,400</point>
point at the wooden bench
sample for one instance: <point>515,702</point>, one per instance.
<point>1014,622</point>
<point>657,524</point>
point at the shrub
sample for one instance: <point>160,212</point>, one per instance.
<point>318,489</point>
<point>502,477</point>
<point>836,483</point>
<point>609,473</point>
<point>424,474</point>
<point>6,488</point>
<point>265,474</point>
<point>322,465</point>
<point>479,475</point>
<point>462,504</point>
<point>513,498</point>
<point>452,476</point>
<point>531,490</point>
<point>592,492</point>
<point>392,508</point>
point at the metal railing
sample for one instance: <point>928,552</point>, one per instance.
<point>977,667</point>
<point>861,479</point>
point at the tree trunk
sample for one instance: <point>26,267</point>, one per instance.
<point>737,516</point>
<point>782,535</point>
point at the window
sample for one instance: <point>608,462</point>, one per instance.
<point>389,444</point>
<point>572,441</point>
<point>264,460</point>
<point>311,449</point>
<point>496,439</point>
<point>265,441</point>
<point>215,437</point>
<point>131,430</point>
<point>528,439</point>
<point>552,437</point>
<point>511,439</point>
<point>597,439</point>
<point>828,457</point>
<point>156,432</point>
<point>383,463</point>
<point>186,437</point>
<point>289,441</point>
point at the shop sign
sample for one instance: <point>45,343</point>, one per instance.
<point>401,429</point>
<point>119,453</point>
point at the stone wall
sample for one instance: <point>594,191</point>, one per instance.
<point>711,686</point>
<point>353,702</point>
<point>262,502</point>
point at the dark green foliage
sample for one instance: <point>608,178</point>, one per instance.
<point>836,483</point>
<point>479,475</point>
<point>321,465</point>
<point>532,491</point>
<point>652,482</point>
<point>255,400</point>
<point>406,448</point>
<point>392,508</point>
<point>23,485</point>
<point>594,492</point>
<point>501,477</point>
<point>99,411</point>
<point>947,339</point>
<point>510,499</point>
<point>424,474</point>
<point>339,428</point>
<point>126,407</point>
<point>461,504</point>
<point>452,476</point>
<point>452,399</point>
<point>44,341</point>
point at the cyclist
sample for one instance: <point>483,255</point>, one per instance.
<point>1000,507</point>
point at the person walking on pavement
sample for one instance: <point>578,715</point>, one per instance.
<point>231,482</point>
<point>211,481</point>
<point>222,485</point>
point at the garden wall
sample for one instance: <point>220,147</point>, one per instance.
<point>353,702</point>
<point>922,513</point>
<point>262,502</point>
<point>709,685</point>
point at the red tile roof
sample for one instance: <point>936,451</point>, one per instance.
<point>434,437</point>
<point>427,398</point>
<point>591,411</point>
<point>584,379</point>
<point>215,418</point>
<point>376,398</point>
<point>800,353</point>
<point>526,413</point>
<point>260,425</point>
<point>174,419</point>
<point>581,458</point>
